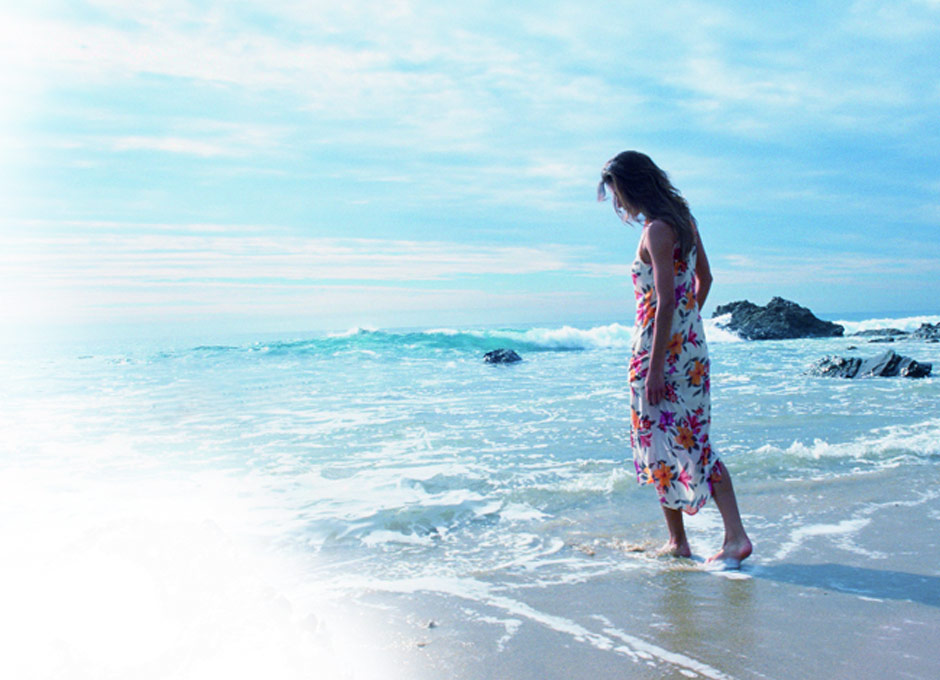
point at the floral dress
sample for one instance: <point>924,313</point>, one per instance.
<point>670,442</point>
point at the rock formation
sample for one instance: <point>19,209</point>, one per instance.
<point>501,356</point>
<point>893,332</point>
<point>887,364</point>
<point>928,332</point>
<point>778,320</point>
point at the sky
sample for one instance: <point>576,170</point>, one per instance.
<point>288,165</point>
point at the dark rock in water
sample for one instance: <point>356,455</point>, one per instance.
<point>501,356</point>
<point>881,331</point>
<point>851,347</point>
<point>780,319</point>
<point>887,364</point>
<point>928,332</point>
<point>881,340</point>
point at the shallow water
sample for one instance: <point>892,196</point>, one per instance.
<point>292,470</point>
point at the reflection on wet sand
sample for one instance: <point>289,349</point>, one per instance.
<point>882,584</point>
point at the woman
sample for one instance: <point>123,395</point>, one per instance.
<point>669,381</point>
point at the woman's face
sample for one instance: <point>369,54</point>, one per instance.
<point>624,211</point>
<point>618,208</point>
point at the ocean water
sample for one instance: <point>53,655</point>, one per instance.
<point>182,510</point>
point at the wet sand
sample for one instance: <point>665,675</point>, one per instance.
<point>844,584</point>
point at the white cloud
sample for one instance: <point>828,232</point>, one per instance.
<point>125,258</point>
<point>890,20</point>
<point>453,86</point>
<point>104,272</point>
<point>433,82</point>
<point>420,79</point>
<point>424,110</point>
<point>95,267</point>
<point>823,268</point>
<point>195,147</point>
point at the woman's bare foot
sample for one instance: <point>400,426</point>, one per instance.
<point>732,553</point>
<point>673,549</point>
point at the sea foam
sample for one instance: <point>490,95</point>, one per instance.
<point>907,323</point>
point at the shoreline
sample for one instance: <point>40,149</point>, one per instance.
<point>849,595</point>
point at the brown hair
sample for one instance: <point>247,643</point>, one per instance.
<point>639,184</point>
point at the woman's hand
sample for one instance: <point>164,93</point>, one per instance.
<point>655,387</point>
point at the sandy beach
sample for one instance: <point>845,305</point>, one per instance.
<point>853,594</point>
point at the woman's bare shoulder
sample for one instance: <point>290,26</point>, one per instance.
<point>660,233</point>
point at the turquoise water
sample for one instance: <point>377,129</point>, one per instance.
<point>351,460</point>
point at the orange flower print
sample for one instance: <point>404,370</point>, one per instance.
<point>696,373</point>
<point>717,472</point>
<point>634,418</point>
<point>685,438</point>
<point>663,476</point>
<point>675,344</point>
<point>706,456</point>
<point>679,265</point>
<point>646,309</point>
<point>690,300</point>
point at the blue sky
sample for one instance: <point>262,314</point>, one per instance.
<point>321,165</point>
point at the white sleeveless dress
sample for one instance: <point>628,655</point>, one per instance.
<point>671,449</point>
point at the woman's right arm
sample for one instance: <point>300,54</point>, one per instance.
<point>703,273</point>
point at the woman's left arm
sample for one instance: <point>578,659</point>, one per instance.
<point>660,242</point>
<point>703,273</point>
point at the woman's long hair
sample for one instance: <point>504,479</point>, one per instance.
<point>642,187</point>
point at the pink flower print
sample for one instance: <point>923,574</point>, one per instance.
<point>671,395</point>
<point>646,440</point>
<point>694,424</point>
<point>637,371</point>
<point>680,293</point>
<point>685,478</point>
<point>693,337</point>
<point>666,419</point>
